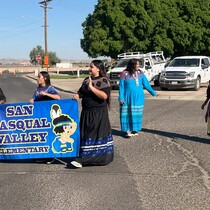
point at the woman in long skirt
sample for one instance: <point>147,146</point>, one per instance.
<point>131,97</point>
<point>96,141</point>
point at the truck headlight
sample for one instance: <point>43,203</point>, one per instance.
<point>191,74</point>
<point>162,74</point>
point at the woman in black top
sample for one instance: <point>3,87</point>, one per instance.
<point>96,141</point>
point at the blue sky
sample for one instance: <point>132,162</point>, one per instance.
<point>22,21</point>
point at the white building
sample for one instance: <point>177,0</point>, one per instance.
<point>63,65</point>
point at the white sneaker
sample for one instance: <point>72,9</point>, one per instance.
<point>76,164</point>
<point>135,133</point>
<point>128,134</point>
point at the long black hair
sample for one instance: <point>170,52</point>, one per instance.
<point>100,65</point>
<point>132,65</point>
<point>46,76</point>
<point>102,72</point>
<point>208,91</point>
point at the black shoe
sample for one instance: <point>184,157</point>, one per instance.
<point>43,160</point>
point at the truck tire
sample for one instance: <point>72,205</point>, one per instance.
<point>156,80</point>
<point>163,88</point>
<point>156,83</point>
<point>197,84</point>
<point>115,87</point>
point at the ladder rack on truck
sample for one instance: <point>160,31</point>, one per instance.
<point>156,56</point>
<point>130,55</point>
<point>151,64</point>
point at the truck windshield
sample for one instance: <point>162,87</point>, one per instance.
<point>124,62</point>
<point>185,62</point>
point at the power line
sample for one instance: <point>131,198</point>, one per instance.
<point>18,33</point>
<point>18,27</point>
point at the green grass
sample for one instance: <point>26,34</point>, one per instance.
<point>66,76</point>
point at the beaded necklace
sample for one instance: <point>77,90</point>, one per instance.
<point>135,76</point>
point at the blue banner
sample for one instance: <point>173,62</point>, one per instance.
<point>47,129</point>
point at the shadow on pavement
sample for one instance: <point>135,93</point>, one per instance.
<point>117,133</point>
<point>176,135</point>
<point>38,160</point>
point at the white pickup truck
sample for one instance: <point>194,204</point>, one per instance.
<point>186,72</point>
<point>151,64</point>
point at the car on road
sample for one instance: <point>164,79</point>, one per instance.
<point>185,72</point>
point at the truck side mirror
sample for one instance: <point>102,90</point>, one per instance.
<point>204,66</point>
<point>147,67</point>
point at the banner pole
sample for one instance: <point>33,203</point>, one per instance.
<point>59,160</point>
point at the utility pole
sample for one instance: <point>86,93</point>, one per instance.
<point>44,4</point>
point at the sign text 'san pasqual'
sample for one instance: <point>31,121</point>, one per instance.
<point>14,130</point>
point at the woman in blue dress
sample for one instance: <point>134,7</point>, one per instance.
<point>44,91</point>
<point>131,97</point>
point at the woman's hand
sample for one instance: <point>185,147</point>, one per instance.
<point>31,101</point>
<point>43,93</point>
<point>202,106</point>
<point>99,93</point>
<point>76,97</point>
<point>204,103</point>
<point>90,85</point>
<point>53,96</point>
<point>122,102</point>
<point>2,101</point>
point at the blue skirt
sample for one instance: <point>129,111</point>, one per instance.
<point>131,117</point>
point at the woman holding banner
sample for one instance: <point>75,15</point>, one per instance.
<point>44,91</point>
<point>96,141</point>
<point>2,97</point>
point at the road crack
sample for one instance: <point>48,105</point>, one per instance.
<point>192,161</point>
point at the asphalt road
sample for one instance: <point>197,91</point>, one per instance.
<point>166,167</point>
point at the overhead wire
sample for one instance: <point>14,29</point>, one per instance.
<point>19,33</point>
<point>19,28</point>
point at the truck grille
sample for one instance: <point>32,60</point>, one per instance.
<point>114,75</point>
<point>175,75</point>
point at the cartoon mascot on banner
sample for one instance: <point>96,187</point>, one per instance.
<point>64,128</point>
